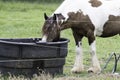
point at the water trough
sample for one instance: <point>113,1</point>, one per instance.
<point>27,56</point>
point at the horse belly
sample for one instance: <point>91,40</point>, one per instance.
<point>111,28</point>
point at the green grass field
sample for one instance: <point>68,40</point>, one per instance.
<point>25,20</point>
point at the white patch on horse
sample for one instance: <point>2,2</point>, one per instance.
<point>44,38</point>
<point>93,47</point>
<point>98,15</point>
<point>78,66</point>
<point>57,19</point>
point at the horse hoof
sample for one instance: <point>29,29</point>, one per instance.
<point>77,70</point>
<point>93,70</point>
<point>90,71</point>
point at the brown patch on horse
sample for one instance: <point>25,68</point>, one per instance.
<point>78,17</point>
<point>82,26</point>
<point>114,18</point>
<point>95,3</point>
<point>112,26</point>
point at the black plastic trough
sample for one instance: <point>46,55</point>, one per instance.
<point>29,56</point>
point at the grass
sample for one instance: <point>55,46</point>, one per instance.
<point>25,20</point>
<point>48,77</point>
<point>22,19</point>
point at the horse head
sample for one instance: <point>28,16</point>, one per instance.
<point>51,27</point>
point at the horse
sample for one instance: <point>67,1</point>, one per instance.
<point>86,18</point>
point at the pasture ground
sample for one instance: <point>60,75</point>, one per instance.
<point>25,20</point>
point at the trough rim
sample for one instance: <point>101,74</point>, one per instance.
<point>65,40</point>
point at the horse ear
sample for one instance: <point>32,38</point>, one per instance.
<point>54,17</point>
<point>45,16</point>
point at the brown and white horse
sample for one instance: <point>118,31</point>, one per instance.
<point>86,18</point>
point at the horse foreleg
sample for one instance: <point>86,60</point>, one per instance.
<point>95,63</point>
<point>78,66</point>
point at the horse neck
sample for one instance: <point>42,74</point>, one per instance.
<point>65,25</point>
